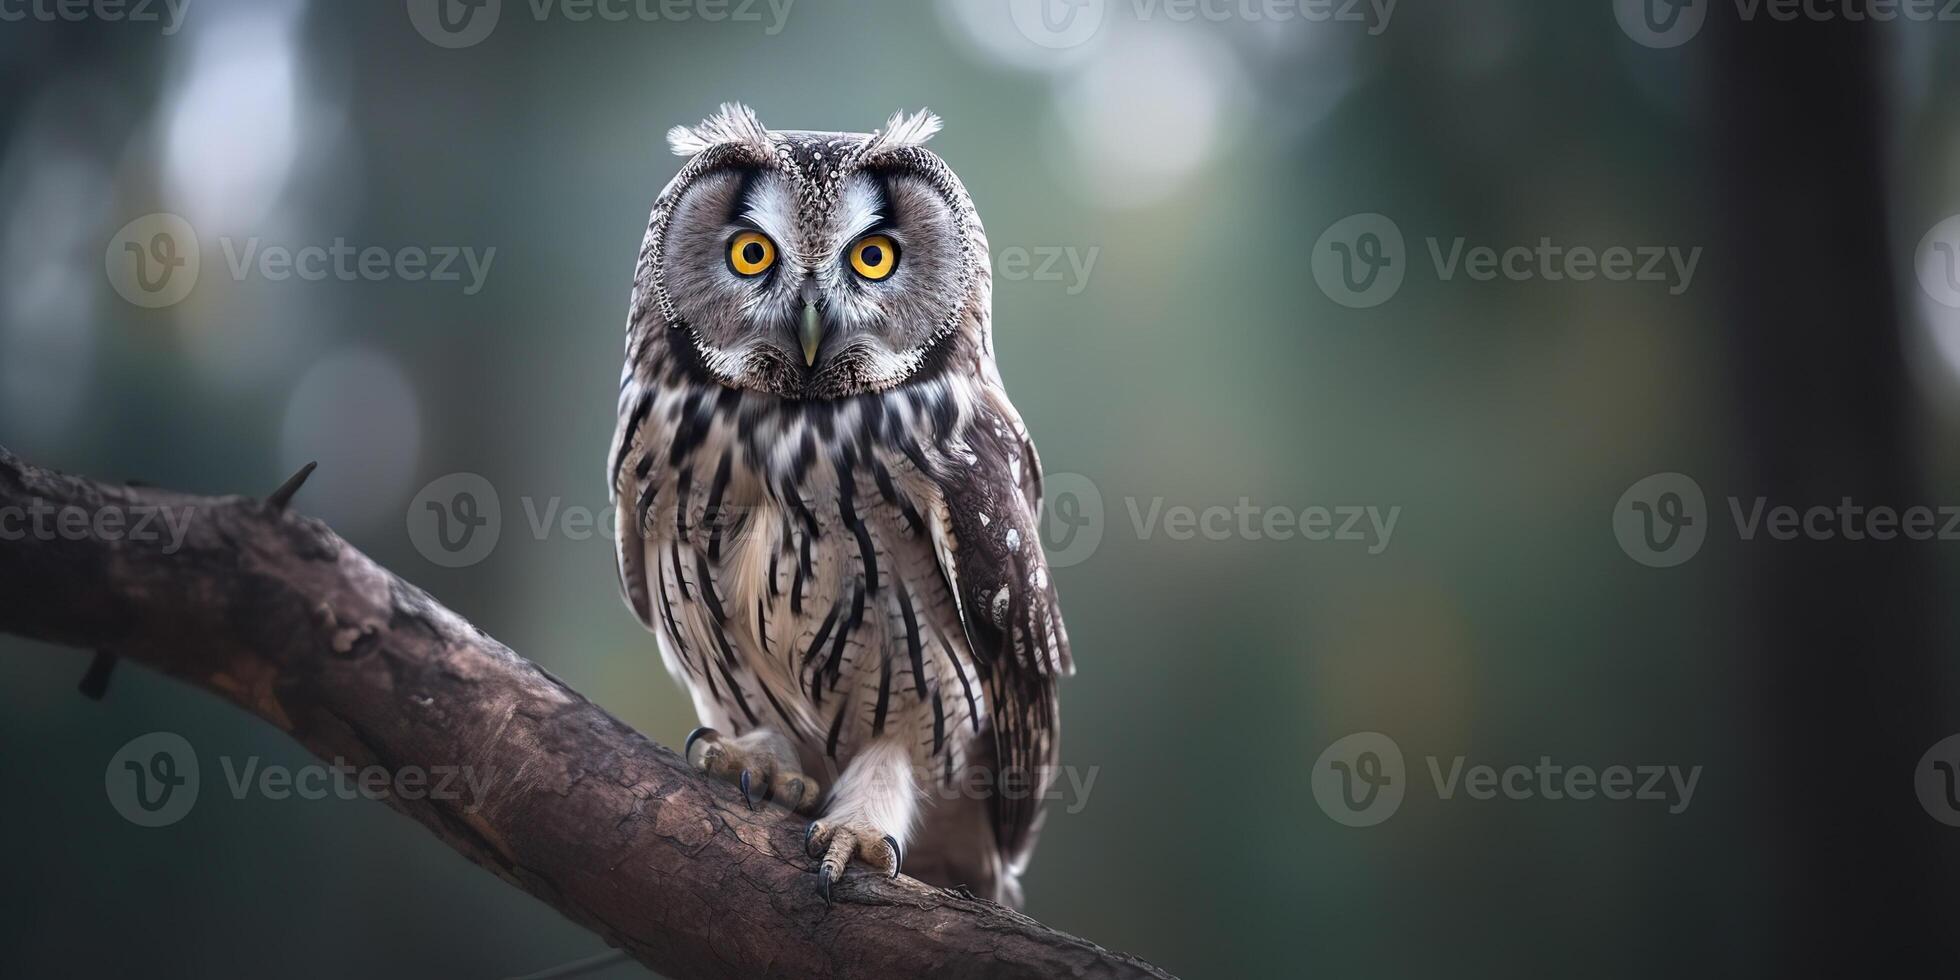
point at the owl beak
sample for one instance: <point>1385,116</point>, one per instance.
<point>809,332</point>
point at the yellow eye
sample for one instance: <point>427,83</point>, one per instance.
<point>751,253</point>
<point>874,257</point>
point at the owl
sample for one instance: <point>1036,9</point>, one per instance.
<point>828,505</point>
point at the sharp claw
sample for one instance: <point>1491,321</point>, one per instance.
<point>898,855</point>
<point>687,747</point>
<point>809,835</point>
<point>747,797</point>
<point>823,884</point>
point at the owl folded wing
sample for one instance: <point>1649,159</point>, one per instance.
<point>987,536</point>
<point>989,545</point>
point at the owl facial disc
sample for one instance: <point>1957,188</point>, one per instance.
<point>814,265</point>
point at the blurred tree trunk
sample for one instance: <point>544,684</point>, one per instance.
<point>1839,634</point>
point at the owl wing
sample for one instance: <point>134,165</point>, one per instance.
<point>631,492</point>
<point>989,546</point>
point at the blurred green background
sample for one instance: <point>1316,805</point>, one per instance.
<point>1195,164</point>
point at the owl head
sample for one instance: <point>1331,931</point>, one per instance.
<point>812,265</point>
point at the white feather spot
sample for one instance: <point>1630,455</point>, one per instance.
<point>1014,539</point>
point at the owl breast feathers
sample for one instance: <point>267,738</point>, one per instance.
<point>829,506</point>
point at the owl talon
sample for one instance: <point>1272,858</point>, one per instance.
<point>760,763</point>
<point>836,845</point>
<point>687,748</point>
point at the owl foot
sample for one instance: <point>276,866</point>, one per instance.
<point>836,843</point>
<point>762,763</point>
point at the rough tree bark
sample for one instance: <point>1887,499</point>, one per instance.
<point>278,614</point>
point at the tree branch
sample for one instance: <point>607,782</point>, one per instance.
<point>279,615</point>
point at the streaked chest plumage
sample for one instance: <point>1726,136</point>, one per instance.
<point>792,568</point>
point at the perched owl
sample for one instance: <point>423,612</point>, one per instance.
<point>828,505</point>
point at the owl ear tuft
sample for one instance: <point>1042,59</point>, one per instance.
<point>734,123</point>
<point>903,130</point>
